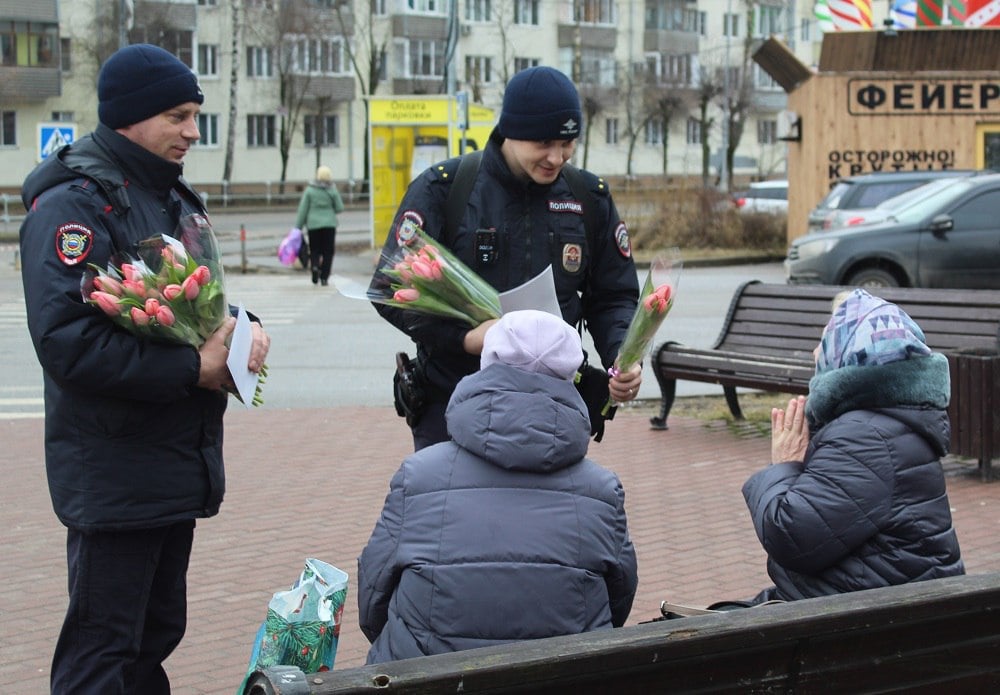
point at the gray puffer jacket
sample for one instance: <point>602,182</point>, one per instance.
<point>868,507</point>
<point>505,533</point>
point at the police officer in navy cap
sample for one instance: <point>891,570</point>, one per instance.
<point>527,209</point>
<point>133,427</point>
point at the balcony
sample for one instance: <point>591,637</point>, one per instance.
<point>28,84</point>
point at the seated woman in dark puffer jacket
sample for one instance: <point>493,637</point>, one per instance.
<point>855,497</point>
<point>508,531</point>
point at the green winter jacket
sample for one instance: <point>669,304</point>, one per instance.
<point>319,207</point>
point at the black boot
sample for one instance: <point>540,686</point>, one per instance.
<point>315,276</point>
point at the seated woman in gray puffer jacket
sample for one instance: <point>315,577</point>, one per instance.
<point>507,532</point>
<point>855,498</point>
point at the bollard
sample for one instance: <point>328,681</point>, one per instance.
<point>243,249</point>
<point>17,260</point>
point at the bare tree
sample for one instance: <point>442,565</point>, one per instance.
<point>665,103</point>
<point>737,100</point>
<point>235,7</point>
<point>708,90</point>
<point>367,53</point>
<point>292,31</point>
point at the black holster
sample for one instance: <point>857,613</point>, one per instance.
<point>592,384</point>
<point>408,390</point>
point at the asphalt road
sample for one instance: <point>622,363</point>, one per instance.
<point>327,349</point>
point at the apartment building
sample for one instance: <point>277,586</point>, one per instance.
<point>286,81</point>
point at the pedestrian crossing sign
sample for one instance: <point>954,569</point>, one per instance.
<point>53,136</point>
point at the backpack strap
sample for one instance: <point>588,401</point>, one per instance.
<point>461,189</point>
<point>578,186</point>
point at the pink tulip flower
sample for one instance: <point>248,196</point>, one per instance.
<point>191,287</point>
<point>139,317</point>
<point>406,295</point>
<point>164,316</point>
<point>131,272</point>
<point>172,292</point>
<point>108,303</point>
<point>403,268</point>
<point>202,275</point>
<point>106,283</point>
<point>136,287</point>
<point>151,306</point>
<point>422,268</point>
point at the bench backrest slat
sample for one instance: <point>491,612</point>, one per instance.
<point>787,321</point>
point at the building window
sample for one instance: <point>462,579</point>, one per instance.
<point>435,7</point>
<point>29,44</point>
<point>478,69</point>
<point>768,20</point>
<point>318,56</point>
<point>693,131</point>
<point>424,58</point>
<point>611,131</point>
<point>8,128</point>
<point>63,116</point>
<point>763,80</point>
<point>654,132</point>
<point>805,30</point>
<point>478,11</point>
<point>177,41</point>
<point>594,12</point>
<point>208,59</point>
<point>597,67</point>
<point>259,62</point>
<point>379,8</point>
<point>208,126</point>
<point>260,130</point>
<point>730,25</point>
<point>525,63</point>
<point>767,132</point>
<point>329,134</point>
<point>526,12</point>
<point>65,55</point>
<point>208,3</point>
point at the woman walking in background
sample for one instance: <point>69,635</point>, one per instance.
<point>318,210</point>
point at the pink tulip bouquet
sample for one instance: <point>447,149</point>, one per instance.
<point>428,278</point>
<point>165,288</point>
<point>656,298</point>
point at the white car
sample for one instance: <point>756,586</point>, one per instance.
<point>763,196</point>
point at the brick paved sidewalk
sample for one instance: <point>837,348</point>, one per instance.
<point>311,483</point>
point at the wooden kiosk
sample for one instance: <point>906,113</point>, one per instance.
<point>886,101</point>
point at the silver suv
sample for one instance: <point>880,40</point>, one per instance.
<point>868,190</point>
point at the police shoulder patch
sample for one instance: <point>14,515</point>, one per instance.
<point>74,241</point>
<point>409,222</point>
<point>622,240</point>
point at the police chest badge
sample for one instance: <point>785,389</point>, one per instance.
<point>572,258</point>
<point>74,242</point>
<point>409,223</point>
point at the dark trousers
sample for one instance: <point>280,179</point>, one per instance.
<point>431,428</point>
<point>127,610</point>
<point>321,243</point>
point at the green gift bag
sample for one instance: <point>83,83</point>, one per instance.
<point>303,623</point>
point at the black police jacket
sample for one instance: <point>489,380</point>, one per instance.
<point>130,440</point>
<point>511,231</point>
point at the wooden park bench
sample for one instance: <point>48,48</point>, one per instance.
<point>938,636</point>
<point>770,331</point>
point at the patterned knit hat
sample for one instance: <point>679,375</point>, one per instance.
<point>867,331</point>
<point>533,341</point>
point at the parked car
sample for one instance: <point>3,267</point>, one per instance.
<point>868,190</point>
<point>853,217</point>
<point>948,239</point>
<point>763,196</point>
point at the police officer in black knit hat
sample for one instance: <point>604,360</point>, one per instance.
<point>133,427</point>
<point>526,209</point>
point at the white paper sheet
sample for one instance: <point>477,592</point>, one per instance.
<point>537,293</point>
<point>239,355</point>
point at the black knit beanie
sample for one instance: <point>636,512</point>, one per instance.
<point>540,103</point>
<point>140,81</point>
